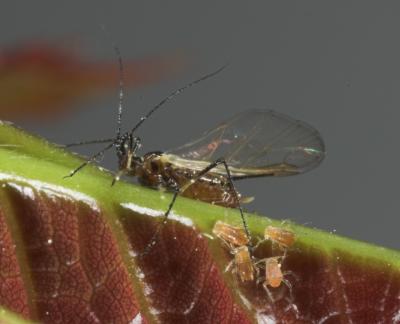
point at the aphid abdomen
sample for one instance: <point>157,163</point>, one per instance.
<point>151,180</point>
<point>273,273</point>
<point>156,173</point>
<point>152,173</point>
<point>280,236</point>
<point>209,188</point>
<point>244,264</point>
<point>230,234</point>
<point>211,194</point>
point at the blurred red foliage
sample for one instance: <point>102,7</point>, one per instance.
<point>40,80</point>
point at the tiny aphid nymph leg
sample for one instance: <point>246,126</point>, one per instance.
<point>259,242</point>
<point>229,177</point>
<point>230,266</point>
<point>228,244</point>
<point>179,190</point>
<point>274,276</point>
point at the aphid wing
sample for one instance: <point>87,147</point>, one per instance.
<point>255,142</point>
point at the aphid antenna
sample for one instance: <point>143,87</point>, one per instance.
<point>121,78</point>
<point>175,93</point>
<point>121,88</point>
<point>120,95</point>
<point>117,141</point>
<point>112,141</point>
<point>155,108</point>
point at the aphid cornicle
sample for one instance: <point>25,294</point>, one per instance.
<point>254,143</point>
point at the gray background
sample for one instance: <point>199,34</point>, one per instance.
<point>333,64</point>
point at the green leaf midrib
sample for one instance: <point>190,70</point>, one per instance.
<point>25,158</point>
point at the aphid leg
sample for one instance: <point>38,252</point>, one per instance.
<point>289,285</point>
<point>117,176</point>
<point>98,141</point>
<point>269,293</point>
<point>228,173</point>
<point>230,266</point>
<point>256,269</point>
<point>173,94</point>
<point>179,190</point>
<point>285,222</point>
<point>259,280</point>
<point>283,256</point>
<point>275,247</point>
<point>228,245</point>
<point>291,273</point>
<point>259,242</point>
<point>161,225</point>
<point>90,160</point>
<point>262,261</point>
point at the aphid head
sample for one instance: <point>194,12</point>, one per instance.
<point>126,146</point>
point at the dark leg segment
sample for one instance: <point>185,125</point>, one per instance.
<point>160,226</point>
<point>90,160</point>
<point>182,189</point>
<point>98,141</point>
<point>228,173</point>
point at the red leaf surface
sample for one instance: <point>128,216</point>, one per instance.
<point>41,79</point>
<point>71,252</point>
<point>182,281</point>
<point>12,291</point>
<point>79,266</point>
<point>77,272</point>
